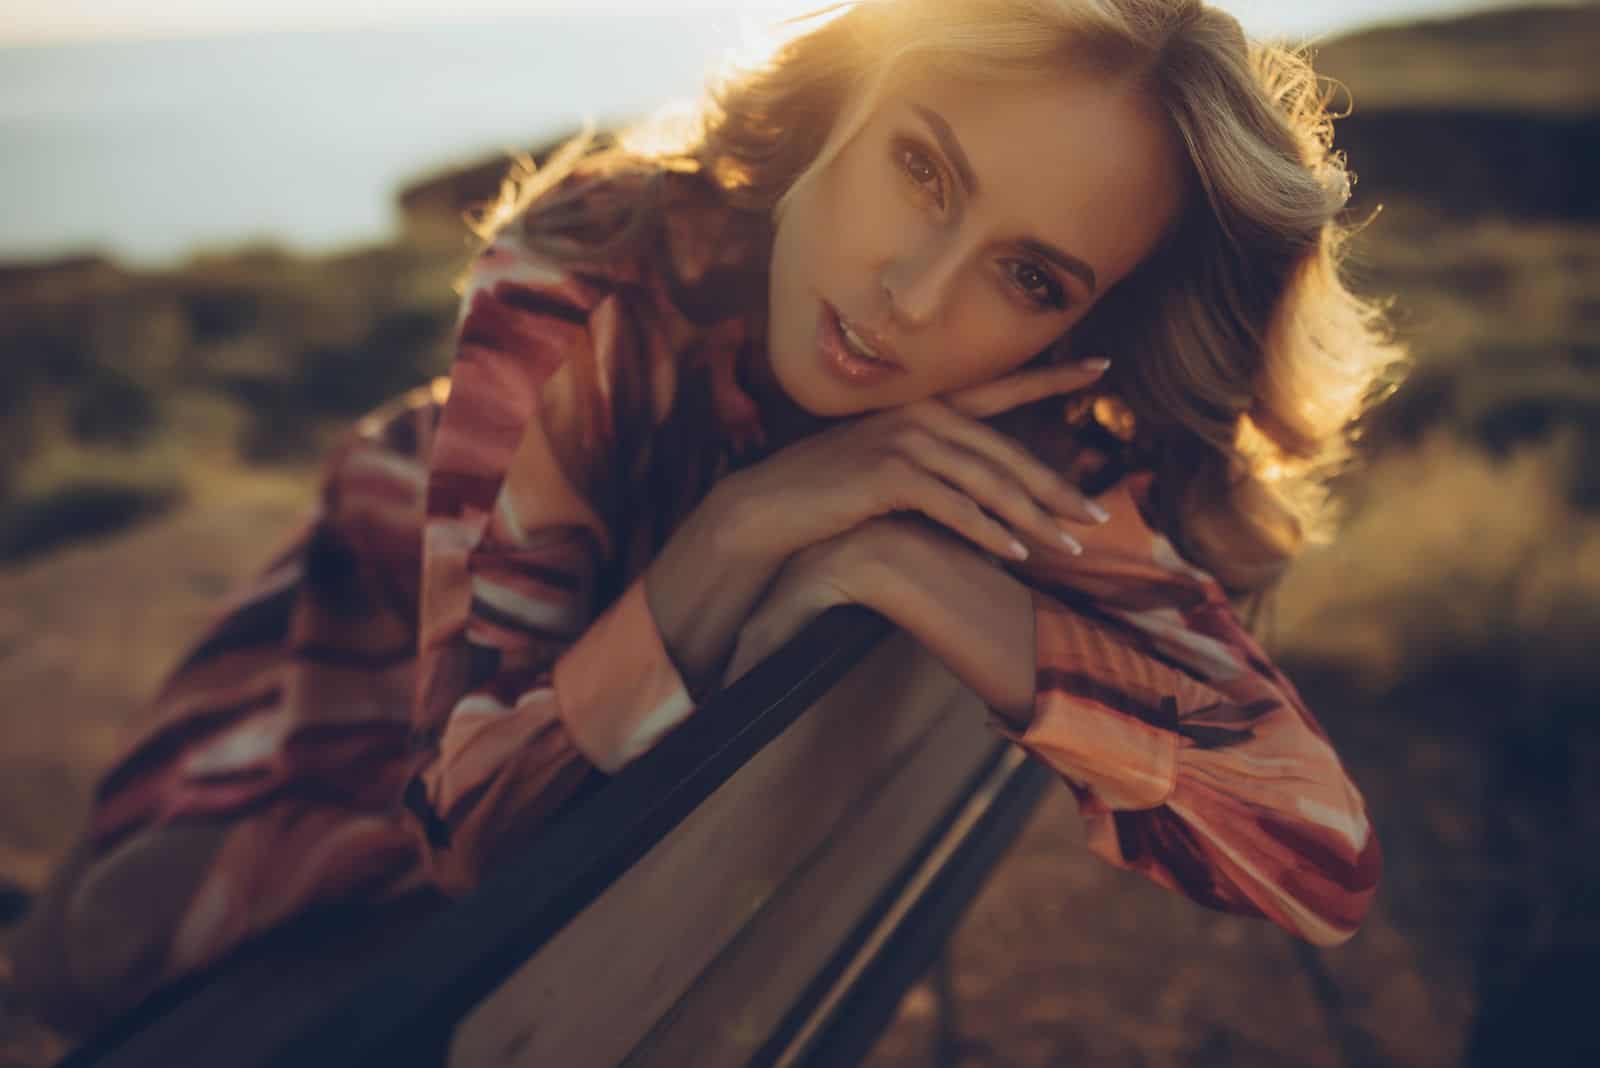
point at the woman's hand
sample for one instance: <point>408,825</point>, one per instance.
<point>934,457</point>
<point>958,603</point>
<point>841,570</point>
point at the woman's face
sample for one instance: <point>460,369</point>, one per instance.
<point>964,229</point>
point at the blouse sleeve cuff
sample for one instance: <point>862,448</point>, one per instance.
<point>1090,720</point>
<point>617,688</point>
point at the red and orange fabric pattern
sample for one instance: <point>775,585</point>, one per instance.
<point>458,638</point>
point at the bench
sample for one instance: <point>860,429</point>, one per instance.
<point>761,888</point>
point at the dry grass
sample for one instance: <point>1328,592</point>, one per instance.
<point>1453,551</point>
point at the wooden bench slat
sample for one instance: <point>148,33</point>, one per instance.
<point>837,1022</point>
<point>737,1003</point>
<point>599,985</point>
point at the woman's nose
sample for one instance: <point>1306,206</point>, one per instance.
<point>919,285</point>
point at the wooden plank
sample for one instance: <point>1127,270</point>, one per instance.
<point>840,1021</point>
<point>600,985</point>
<point>740,1000</point>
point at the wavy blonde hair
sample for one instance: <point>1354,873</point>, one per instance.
<point>1245,362</point>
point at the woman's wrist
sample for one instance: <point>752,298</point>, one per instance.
<point>702,586</point>
<point>741,529</point>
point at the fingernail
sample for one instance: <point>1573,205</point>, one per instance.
<point>1019,550</point>
<point>1099,513</point>
<point>1070,542</point>
<point>1097,363</point>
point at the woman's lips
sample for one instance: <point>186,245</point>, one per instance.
<point>838,357</point>
<point>864,340</point>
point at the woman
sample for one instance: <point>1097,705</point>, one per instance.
<point>816,352</point>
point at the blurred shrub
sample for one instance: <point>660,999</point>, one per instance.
<point>403,348</point>
<point>73,511</point>
<point>217,313</point>
<point>1461,160</point>
<point>46,350</point>
<point>1453,554</point>
<point>1499,407</point>
<point>100,359</point>
<point>113,408</point>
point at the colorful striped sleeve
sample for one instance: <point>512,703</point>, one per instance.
<point>1193,759</point>
<point>524,683</point>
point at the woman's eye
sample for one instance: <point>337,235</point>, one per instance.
<point>1036,283</point>
<point>921,170</point>
<point>1039,286</point>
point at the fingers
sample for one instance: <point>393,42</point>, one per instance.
<point>956,511</point>
<point>990,487</point>
<point>1024,387</point>
<point>1015,464</point>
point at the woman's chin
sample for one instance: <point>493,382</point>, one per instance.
<point>814,396</point>
<point>809,388</point>
<point>829,405</point>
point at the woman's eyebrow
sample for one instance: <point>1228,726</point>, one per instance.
<point>1071,264</point>
<point>951,146</point>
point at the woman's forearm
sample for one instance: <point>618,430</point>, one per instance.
<point>702,587</point>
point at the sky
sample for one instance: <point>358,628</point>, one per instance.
<point>42,21</point>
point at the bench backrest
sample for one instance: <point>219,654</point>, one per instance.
<point>718,902</point>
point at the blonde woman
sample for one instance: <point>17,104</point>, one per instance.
<point>845,340</point>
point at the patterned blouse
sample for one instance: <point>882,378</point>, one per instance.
<point>458,638</point>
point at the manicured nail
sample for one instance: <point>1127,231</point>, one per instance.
<point>1099,513</point>
<point>1070,542</point>
<point>1097,363</point>
<point>1019,550</point>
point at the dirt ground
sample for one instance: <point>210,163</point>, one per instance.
<point>86,634</point>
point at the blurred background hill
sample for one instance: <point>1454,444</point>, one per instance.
<point>161,429</point>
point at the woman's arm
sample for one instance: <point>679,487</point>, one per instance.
<point>525,681</point>
<point>297,754</point>
<point>1193,759</point>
